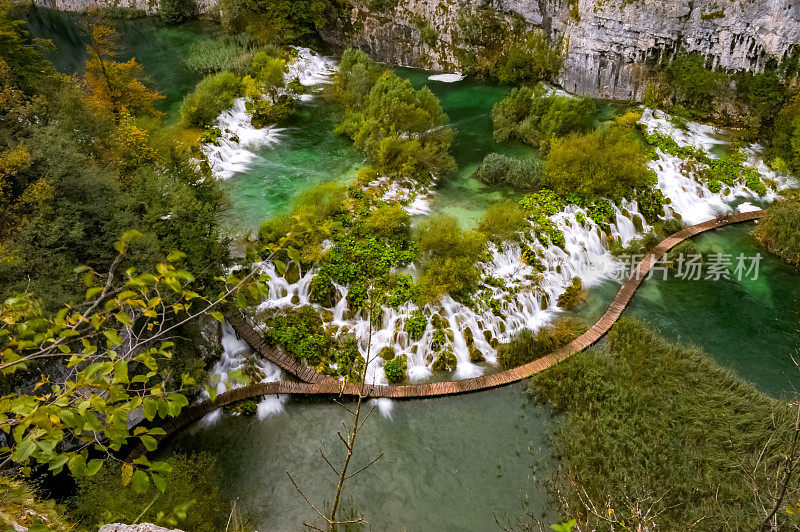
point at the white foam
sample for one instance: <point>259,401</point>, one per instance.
<point>447,78</point>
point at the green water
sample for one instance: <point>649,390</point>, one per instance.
<point>452,463</point>
<point>750,326</point>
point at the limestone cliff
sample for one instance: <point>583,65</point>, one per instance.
<point>608,44</point>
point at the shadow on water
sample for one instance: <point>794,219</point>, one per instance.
<point>449,464</point>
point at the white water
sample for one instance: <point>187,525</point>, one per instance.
<point>237,147</point>
<point>237,355</point>
<point>447,78</point>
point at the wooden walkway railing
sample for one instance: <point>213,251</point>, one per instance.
<point>317,384</point>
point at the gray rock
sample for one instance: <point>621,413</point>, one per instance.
<point>143,527</point>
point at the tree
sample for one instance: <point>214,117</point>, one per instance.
<point>448,258</point>
<point>607,163</point>
<point>116,86</point>
<point>348,439</point>
<point>111,348</point>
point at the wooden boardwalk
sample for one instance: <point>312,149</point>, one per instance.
<point>316,384</point>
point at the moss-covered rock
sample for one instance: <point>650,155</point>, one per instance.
<point>446,361</point>
<point>395,369</point>
<point>475,354</point>
<point>292,274</point>
<point>387,353</point>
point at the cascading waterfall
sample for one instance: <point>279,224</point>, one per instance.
<point>237,145</point>
<point>585,255</point>
<point>237,355</point>
<point>528,298</point>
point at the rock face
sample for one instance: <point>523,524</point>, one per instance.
<point>608,45</point>
<point>143,527</point>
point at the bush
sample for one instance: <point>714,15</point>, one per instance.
<point>606,163</point>
<point>395,369</point>
<point>524,173</point>
<point>532,115</point>
<point>322,292</point>
<point>778,231</point>
<point>403,131</point>
<point>504,222</point>
<point>177,11</point>
<point>660,424</point>
<point>448,258</point>
<point>193,485</point>
<point>527,346</point>
<point>214,94</point>
<point>387,353</point>
<point>694,86</point>
<point>415,325</point>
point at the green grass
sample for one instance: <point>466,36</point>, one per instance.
<point>663,436</point>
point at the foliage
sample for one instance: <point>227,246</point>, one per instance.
<point>448,258</point>
<point>538,207</point>
<point>446,361</point>
<point>531,115</point>
<point>116,86</point>
<point>232,52</point>
<point>694,85</point>
<point>504,222</point>
<point>523,173</point>
<point>403,131</point>
<point>527,346</point>
<point>302,334</point>
<point>277,22</point>
<point>123,375</point>
<point>23,506</point>
<point>192,499</point>
<point>785,148</point>
<point>663,436</point>
<point>607,163</point>
<point>415,325</point>
<point>214,94</point>
<point>75,176</point>
<point>778,231</point>
<point>395,369</point>
<point>322,291</point>
<point>177,11</point>
<point>506,52</point>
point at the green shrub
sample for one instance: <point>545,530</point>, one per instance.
<point>504,222</point>
<point>403,131</point>
<point>177,11</point>
<point>644,416</point>
<point>192,489</point>
<point>387,353</point>
<point>606,163</point>
<point>694,86</point>
<point>322,292</point>
<point>521,173</point>
<point>785,144</point>
<point>448,258</point>
<point>214,94</point>
<point>532,115</point>
<point>527,346</point>
<point>248,408</point>
<point>395,369</point>
<point>778,231</point>
<point>415,325</point>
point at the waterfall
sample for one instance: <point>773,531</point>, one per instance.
<point>239,142</point>
<point>529,299</point>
